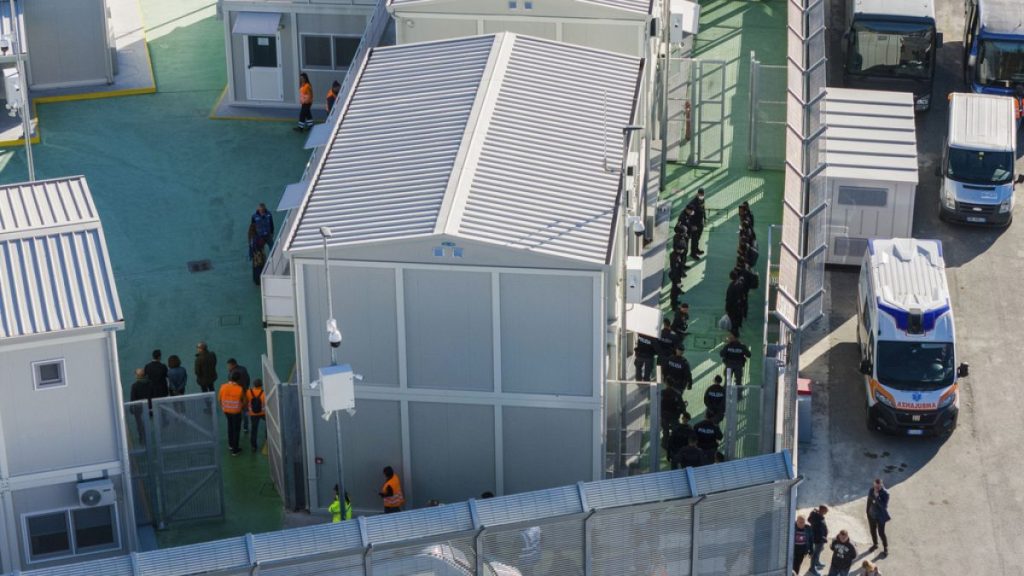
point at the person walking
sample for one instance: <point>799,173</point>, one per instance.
<point>332,95</point>
<point>734,355</point>
<point>878,515</point>
<point>141,389</point>
<point>699,220</point>
<point>672,407</point>
<point>305,104</point>
<point>177,377</point>
<point>205,367</point>
<point>681,321</point>
<point>257,255</point>
<point>156,372</point>
<point>391,491</point>
<point>231,395</point>
<point>263,221</point>
<point>708,436</point>
<point>714,400</point>
<point>869,568</point>
<point>843,555</point>
<point>243,381</point>
<point>643,356</point>
<point>256,405</point>
<point>689,456</point>
<point>734,297</point>
<point>819,536</point>
<point>801,543</point>
<point>337,513</point>
<point>677,371</point>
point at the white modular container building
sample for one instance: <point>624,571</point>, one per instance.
<point>63,458</point>
<point>472,191</point>
<point>871,169</point>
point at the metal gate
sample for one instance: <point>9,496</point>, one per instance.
<point>284,446</point>
<point>695,95</point>
<point>767,145</point>
<point>174,451</point>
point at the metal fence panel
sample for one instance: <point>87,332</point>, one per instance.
<point>742,532</point>
<point>545,548</point>
<point>658,540</point>
<point>768,110</point>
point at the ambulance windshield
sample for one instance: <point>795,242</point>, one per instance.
<point>915,365</point>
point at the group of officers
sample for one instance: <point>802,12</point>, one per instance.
<point>742,278</point>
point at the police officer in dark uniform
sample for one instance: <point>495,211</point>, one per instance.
<point>714,401</point>
<point>681,321</point>
<point>677,371</point>
<point>708,436</point>
<point>734,356</point>
<point>667,342</point>
<point>735,296</point>
<point>672,408</point>
<point>698,221</point>
<point>677,271</point>
<point>688,456</point>
<point>643,356</point>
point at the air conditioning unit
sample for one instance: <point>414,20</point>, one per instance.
<point>96,493</point>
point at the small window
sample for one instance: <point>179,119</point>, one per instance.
<point>263,51</point>
<point>94,529</point>
<point>48,536</point>
<point>861,196</point>
<point>316,52</point>
<point>513,4</point>
<point>345,50</point>
<point>49,374</point>
<point>528,5</point>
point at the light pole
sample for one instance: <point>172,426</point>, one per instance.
<point>334,338</point>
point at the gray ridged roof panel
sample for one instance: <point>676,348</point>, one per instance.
<point>641,6</point>
<point>529,506</point>
<point>541,182</point>
<point>742,473</point>
<point>308,540</point>
<point>195,559</point>
<point>631,490</point>
<point>418,523</point>
<point>45,203</point>
<point>387,166</point>
<point>55,271</point>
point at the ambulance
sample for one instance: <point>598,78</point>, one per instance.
<point>907,340</point>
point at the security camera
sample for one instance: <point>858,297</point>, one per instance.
<point>333,334</point>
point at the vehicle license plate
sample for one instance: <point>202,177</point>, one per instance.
<point>915,432</point>
<point>977,219</point>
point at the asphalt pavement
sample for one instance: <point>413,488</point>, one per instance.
<point>957,503</point>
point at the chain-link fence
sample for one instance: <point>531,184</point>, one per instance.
<point>730,519</point>
<point>767,141</point>
<point>174,453</point>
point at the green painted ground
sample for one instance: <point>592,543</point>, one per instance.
<point>729,30</point>
<point>173,186</point>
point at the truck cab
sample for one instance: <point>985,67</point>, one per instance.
<point>891,45</point>
<point>994,46</point>
<point>907,339</point>
<point>978,160</point>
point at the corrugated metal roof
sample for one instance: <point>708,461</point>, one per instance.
<point>308,549</point>
<point>1002,16</point>
<point>982,122</point>
<point>642,6</point>
<point>541,181</point>
<point>906,8</point>
<point>909,273</point>
<point>55,272</point>
<point>513,154</point>
<point>870,135</point>
<point>386,170</point>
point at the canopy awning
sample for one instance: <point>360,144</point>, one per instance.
<point>256,23</point>
<point>293,195</point>
<point>318,136</point>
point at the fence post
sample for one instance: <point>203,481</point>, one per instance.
<point>732,398</point>
<point>752,160</point>
<point>655,419</point>
<point>156,472</point>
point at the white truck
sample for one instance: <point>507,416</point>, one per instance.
<point>978,175</point>
<point>907,339</point>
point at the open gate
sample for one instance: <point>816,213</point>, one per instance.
<point>174,451</point>
<point>695,96</point>
<point>284,445</point>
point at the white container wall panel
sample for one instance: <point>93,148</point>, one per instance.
<point>365,308</point>
<point>453,451</point>
<point>424,29</point>
<point>539,29</point>
<point>590,9</point>
<point>346,25</point>
<point>371,440</point>
<point>68,42</point>
<point>547,334</point>
<point>557,441</point>
<point>289,64</point>
<point>626,38</point>
<point>449,330</point>
<point>78,418</point>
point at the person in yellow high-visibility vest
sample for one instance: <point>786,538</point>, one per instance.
<point>335,507</point>
<point>391,492</point>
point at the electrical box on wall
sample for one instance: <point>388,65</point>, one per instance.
<point>683,20</point>
<point>337,388</point>
<point>634,279</point>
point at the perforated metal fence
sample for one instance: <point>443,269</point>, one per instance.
<point>767,144</point>
<point>729,519</point>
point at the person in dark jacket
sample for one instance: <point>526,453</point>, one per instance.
<point>263,221</point>
<point>681,321</point>
<point>205,367</point>
<point>688,456</point>
<point>801,543</point>
<point>677,371</point>
<point>672,408</point>
<point>667,342</point>
<point>643,356</point>
<point>177,377</point>
<point>735,295</point>
<point>698,220</point>
<point>878,515</point>
<point>746,217</point>
<point>734,355</point>
<point>708,436</point>
<point>141,390</point>
<point>819,536</point>
<point>714,400</point>
<point>843,555</point>
<point>156,373</point>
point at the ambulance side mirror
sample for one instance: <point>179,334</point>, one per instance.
<point>963,370</point>
<point>1020,178</point>
<point>865,367</point>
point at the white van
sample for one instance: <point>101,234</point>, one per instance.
<point>906,338</point>
<point>978,159</point>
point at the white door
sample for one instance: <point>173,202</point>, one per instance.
<point>263,74</point>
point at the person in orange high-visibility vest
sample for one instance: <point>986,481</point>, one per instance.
<point>231,397</point>
<point>332,95</point>
<point>391,492</point>
<point>255,405</point>
<point>306,103</point>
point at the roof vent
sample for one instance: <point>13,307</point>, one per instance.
<point>915,321</point>
<point>903,249</point>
